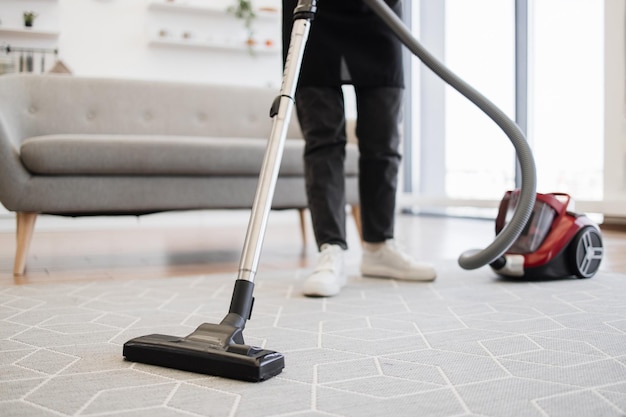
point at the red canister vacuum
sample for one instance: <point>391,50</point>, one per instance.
<point>555,243</point>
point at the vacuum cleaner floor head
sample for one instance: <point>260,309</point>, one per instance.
<point>236,361</point>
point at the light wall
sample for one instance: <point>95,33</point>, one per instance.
<point>113,38</point>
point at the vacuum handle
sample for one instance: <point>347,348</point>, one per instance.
<point>261,206</point>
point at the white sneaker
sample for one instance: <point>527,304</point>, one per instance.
<point>387,260</point>
<point>328,276</point>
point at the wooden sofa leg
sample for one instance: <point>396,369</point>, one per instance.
<point>302,213</point>
<point>356,215</point>
<point>25,228</point>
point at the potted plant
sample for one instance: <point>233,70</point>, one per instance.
<point>243,9</point>
<point>29,18</point>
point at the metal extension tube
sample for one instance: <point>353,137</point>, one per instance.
<point>273,154</point>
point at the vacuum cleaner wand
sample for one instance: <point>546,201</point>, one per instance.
<point>219,349</point>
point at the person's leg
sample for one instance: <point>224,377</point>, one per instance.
<point>321,115</point>
<point>379,113</point>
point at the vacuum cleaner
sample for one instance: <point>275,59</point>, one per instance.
<point>555,243</point>
<point>219,349</point>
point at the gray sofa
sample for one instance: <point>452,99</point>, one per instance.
<point>81,146</point>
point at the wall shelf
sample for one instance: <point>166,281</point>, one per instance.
<point>205,9</point>
<point>213,45</point>
<point>29,33</point>
<point>203,25</point>
<point>185,8</point>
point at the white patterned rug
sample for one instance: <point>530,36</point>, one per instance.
<point>468,344</point>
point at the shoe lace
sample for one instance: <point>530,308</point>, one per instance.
<point>327,259</point>
<point>399,250</point>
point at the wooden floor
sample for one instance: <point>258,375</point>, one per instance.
<point>65,249</point>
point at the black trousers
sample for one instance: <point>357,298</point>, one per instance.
<point>321,115</point>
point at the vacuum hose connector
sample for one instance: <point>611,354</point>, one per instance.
<point>474,259</point>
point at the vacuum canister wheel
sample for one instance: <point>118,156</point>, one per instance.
<point>586,252</point>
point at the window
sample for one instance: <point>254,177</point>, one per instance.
<point>462,155</point>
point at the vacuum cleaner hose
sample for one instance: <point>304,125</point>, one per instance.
<point>473,259</point>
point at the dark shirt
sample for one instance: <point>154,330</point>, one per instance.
<point>348,44</point>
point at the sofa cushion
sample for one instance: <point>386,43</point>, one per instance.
<point>74,154</point>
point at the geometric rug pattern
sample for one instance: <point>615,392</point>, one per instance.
<point>467,345</point>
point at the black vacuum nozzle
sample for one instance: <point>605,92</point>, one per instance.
<point>212,349</point>
<point>203,352</point>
